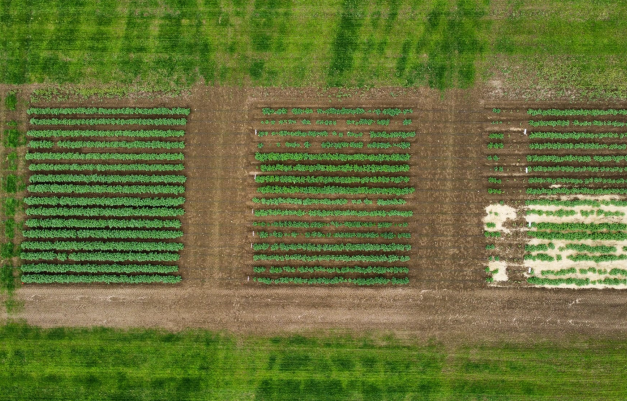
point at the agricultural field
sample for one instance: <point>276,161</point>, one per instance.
<point>560,220</point>
<point>105,195</point>
<point>332,187</point>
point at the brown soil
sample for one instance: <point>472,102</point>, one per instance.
<point>447,297</point>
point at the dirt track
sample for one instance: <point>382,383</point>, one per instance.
<point>447,297</point>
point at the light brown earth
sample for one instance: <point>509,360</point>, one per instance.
<point>447,297</point>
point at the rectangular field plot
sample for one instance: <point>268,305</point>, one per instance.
<point>331,187</point>
<point>557,189</point>
<point>105,195</point>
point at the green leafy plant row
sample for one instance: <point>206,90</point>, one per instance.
<point>107,279</point>
<point>105,234</point>
<point>556,213</point>
<point>576,112</point>
<point>117,144</point>
<point>344,168</point>
<point>568,146</point>
<point>117,201</point>
<point>558,281</point>
<point>578,235</point>
<point>327,213</point>
<point>577,169</point>
<point>387,145</point>
<point>341,145</point>
<point>334,280</point>
<point>566,123</point>
<point>103,156</point>
<point>575,158</point>
<point>304,179</point>
<point>155,133</point>
<point>566,180</point>
<point>102,256</point>
<point>579,226</point>
<point>96,268</point>
<point>323,269</point>
<point>323,224</point>
<point>101,246</point>
<point>275,189</point>
<point>576,135</point>
<point>332,258</point>
<point>589,248</point>
<point>108,179</point>
<point>577,191</point>
<point>293,133</point>
<point>308,247</point>
<point>583,257</point>
<point>576,202</point>
<point>104,167</point>
<point>273,156</point>
<point>300,201</point>
<point>318,234</point>
<point>103,111</point>
<point>108,121</point>
<point>102,223</point>
<point>115,189</point>
<point>105,212</point>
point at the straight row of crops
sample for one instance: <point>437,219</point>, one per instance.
<point>104,207</point>
<point>332,211</point>
<point>570,177</point>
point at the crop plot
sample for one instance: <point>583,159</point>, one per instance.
<point>331,187</point>
<point>104,205</point>
<point>560,176</point>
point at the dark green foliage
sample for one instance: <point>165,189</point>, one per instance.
<point>13,138</point>
<point>10,206</point>
<point>10,102</point>
<point>346,41</point>
<point>9,228</point>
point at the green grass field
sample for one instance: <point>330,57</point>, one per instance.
<point>107,364</point>
<point>439,43</point>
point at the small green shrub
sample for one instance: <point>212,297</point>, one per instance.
<point>11,101</point>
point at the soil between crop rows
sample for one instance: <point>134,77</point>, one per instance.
<point>447,296</point>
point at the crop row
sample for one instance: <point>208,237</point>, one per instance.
<point>118,201</point>
<point>323,224</point>
<point>576,112</point>
<point>576,202</point>
<point>108,144</point>
<point>98,189</point>
<point>107,279</point>
<point>565,180</point>
<point>579,235</point>
<point>568,146</point>
<point>275,189</point>
<point>318,234</point>
<point>95,268</point>
<point>101,110</point>
<point>102,256</point>
<point>303,179</point>
<point>344,168</point>
<point>575,158</point>
<point>582,257</point>
<point>594,227</point>
<point>589,248</point>
<point>377,157</point>
<point>576,135</point>
<point>326,201</point>
<point>578,169</point>
<point>101,246</point>
<point>154,133</point>
<point>104,234</point>
<point>108,179</point>
<point>327,213</point>
<point>334,111</point>
<point>309,247</point>
<point>323,269</point>
<point>577,191</point>
<point>332,258</point>
<point>108,121</point>
<point>576,281</point>
<point>101,223</point>
<point>104,167</point>
<point>334,280</point>
<point>556,213</point>
<point>105,212</point>
<point>103,156</point>
<point>566,123</point>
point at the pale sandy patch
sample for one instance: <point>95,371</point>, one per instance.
<point>499,214</point>
<point>501,273</point>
